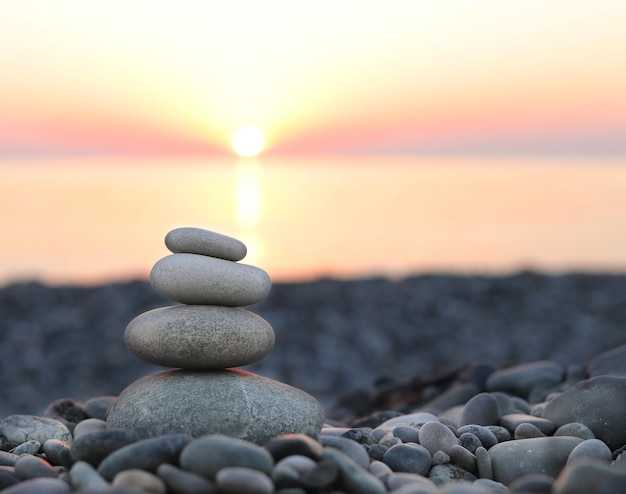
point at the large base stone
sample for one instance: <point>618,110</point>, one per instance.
<point>231,402</point>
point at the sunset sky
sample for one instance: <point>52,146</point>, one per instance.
<point>486,76</point>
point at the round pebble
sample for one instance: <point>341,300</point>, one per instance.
<point>353,478</point>
<point>350,448</point>
<point>22,428</point>
<point>526,431</point>
<point>242,480</point>
<point>199,280</point>
<point>591,448</point>
<point>85,477</point>
<point>89,425</point>
<point>204,242</point>
<point>484,434</point>
<point>408,457</point>
<point>58,452</point>
<point>435,436</point>
<point>575,429</point>
<point>199,337</point>
<point>95,446</point>
<point>179,481</point>
<point>590,476</point>
<point>482,409</point>
<point>443,474</point>
<point>140,479</point>
<point>30,467</point>
<point>294,444</point>
<point>29,447</point>
<point>98,406</point>
<point>513,420</point>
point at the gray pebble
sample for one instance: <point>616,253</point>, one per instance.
<point>526,431</point>
<point>30,467</point>
<point>58,452</point>
<point>397,480</point>
<point>536,483</point>
<point>435,436</point>
<point>208,454</point>
<point>29,447</point>
<point>39,486</point>
<point>591,448</point>
<point>443,474</point>
<point>482,409</point>
<point>513,459</point>
<point>98,406</point>
<point>484,434</point>
<point>242,480</point>
<point>146,454</point>
<point>483,463</point>
<point>406,433</point>
<point>8,459</point>
<point>22,428</point>
<point>590,476</point>
<point>294,444</point>
<point>470,441</point>
<point>408,457</point>
<point>377,451</point>
<point>350,448</point>
<point>200,280</point>
<point>135,478</point>
<point>379,469</point>
<point>204,242</point>
<point>439,457</point>
<point>389,440</point>
<point>361,436</point>
<point>463,458</point>
<point>521,379</point>
<point>499,432</point>
<point>575,429</point>
<point>95,446</point>
<point>301,464</point>
<point>512,421</point>
<point>597,403</point>
<point>353,478</point>
<point>181,482</point>
<point>87,426</point>
<point>83,476</point>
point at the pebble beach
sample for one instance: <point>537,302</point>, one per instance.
<point>430,384</point>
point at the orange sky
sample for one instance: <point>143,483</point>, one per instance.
<point>327,76</point>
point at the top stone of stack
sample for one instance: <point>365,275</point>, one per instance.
<point>204,242</point>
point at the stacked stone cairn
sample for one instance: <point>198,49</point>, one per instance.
<point>204,338</point>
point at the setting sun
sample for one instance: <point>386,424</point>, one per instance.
<point>248,141</point>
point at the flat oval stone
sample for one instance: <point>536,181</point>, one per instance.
<point>179,481</point>
<point>482,409</point>
<point>204,242</point>
<point>435,436</point>
<point>22,428</point>
<point>242,479</point>
<point>591,448</point>
<point>591,476</point>
<point>199,337</point>
<point>598,403</point>
<point>231,402</point>
<point>514,459</point>
<point>408,457</point>
<point>200,280</point>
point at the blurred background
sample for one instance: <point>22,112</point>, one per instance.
<point>384,140</point>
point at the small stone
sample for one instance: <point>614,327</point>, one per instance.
<point>499,432</point>
<point>350,448</point>
<point>87,426</point>
<point>98,406</point>
<point>29,448</point>
<point>408,457</point>
<point>526,431</point>
<point>242,480</point>
<point>435,436</point>
<point>514,459</point>
<point>199,337</point>
<point>575,429</point>
<point>538,483</point>
<point>379,469</point>
<point>208,454</point>
<point>231,402</point>
<point>85,477</point>
<point>513,420</point>
<point>611,363</point>
<point>146,454</point>
<point>440,457</point>
<point>377,451</point>
<point>58,452</point>
<point>30,467</point>
<point>443,474</point>
<point>406,434</point>
<point>294,444</point>
<point>589,476</point>
<point>598,403</point>
<point>483,463</point>
<point>8,459</point>
<point>521,379</point>
<point>66,411</point>
<point>302,464</point>
<point>22,428</point>
<point>352,477</point>
<point>484,434</point>
<point>95,446</point>
<point>200,280</point>
<point>470,441</point>
<point>482,409</point>
<point>360,436</point>
<point>421,485</point>
<point>181,482</point>
<point>204,242</point>
<point>463,458</point>
<point>591,448</point>
<point>39,485</point>
<point>141,480</point>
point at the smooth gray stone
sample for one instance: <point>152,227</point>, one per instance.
<point>232,402</point>
<point>590,476</point>
<point>443,474</point>
<point>406,434</point>
<point>397,480</point>
<point>208,454</point>
<point>87,426</point>
<point>408,457</point>
<point>8,459</point>
<point>536,483</point>
<point>435,436</point>
<point>352,477</point>
<point>205,242</point>
<point>499,432</point>
<point>350,448</point>
<point>200,280</point>
<point>463,458</point>
<point>591,448</point>
<point>513,459</point>
<point>141,480</point>
<point>58,452</point>
<point>513,420</point>
<point>483,463</point>
<point>181,482</point>
<point>526,431</point>
<point>294,444</point>
<point>482,409</point>
<point>611,363</point>
<point>483,433</point>
<point>98,406</point>
<point>575,429</point>
<point>83,476</point>
<point>29,447</point>
<point>598,403</point>
<point>39,486</point>
<point>146,454</point>
<point>470,441</point>
<point>95,446</point>
<point>199,337</point>
<point>242,480</point>
<point>302,464</point>
<point>22,428</point>
<point>30,467</point>
<point>521,379</point>
<point>440,457</point>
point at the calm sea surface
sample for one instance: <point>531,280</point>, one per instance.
<point>91,220</point>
